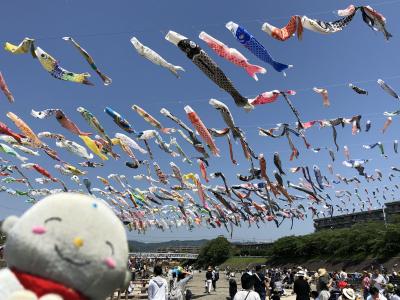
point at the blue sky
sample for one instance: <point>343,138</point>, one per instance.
<point>104,28</point>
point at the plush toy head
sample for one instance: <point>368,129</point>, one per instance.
<point>71,239</point>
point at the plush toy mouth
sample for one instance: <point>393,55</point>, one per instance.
<point>69,260</point>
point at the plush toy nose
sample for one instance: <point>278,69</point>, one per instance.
<point>78,242</point>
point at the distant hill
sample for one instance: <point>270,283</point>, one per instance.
<point>135,246</point>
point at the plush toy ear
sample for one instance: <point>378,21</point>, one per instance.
<point>9,223</point>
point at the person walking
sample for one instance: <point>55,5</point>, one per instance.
<point>301,287</point>
<point>209,277</point>
<point>215,278</point>
<point>260,283</point>
<point>158,286</point>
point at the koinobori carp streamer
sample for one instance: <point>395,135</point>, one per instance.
<point>232,55</point>
<point>207,65</point>
<point>297,23</point>
<point>254,46</point>
<point>154,57</point>
<point>51,65</point>
<point>5,89</point>
<point>201,129</point>
<point>106,80</point>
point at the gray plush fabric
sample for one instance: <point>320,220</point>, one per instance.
<point>81,233</point>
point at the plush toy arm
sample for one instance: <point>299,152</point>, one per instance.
<point>51,297</point>
<point>9,284</point>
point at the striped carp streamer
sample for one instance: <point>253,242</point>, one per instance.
<point>254,46</point>
<point>388,89</point>
<point>201,129</point>
<point>106,80</point>
<point>154,57</point>
<point>10,151</point>
<point>387,123</point>
<point>201,59</point>
<point>26,130</point>
<point>297,23</point>
<point>8,132</point>
<point>119,120</point>
<point>51,65</point>
<point>227,117</point>
<point>61,118</point>
<point>324,94</point>
<point>232,55</point>
<point>151,120</point>
<point>192,138</point>
<point>375,20</point>
<point>205,63</point>
<point>94,123</point>
<point>358,90</point>
<point>5,89</point>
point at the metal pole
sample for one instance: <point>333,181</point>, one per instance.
<point>384,216</point>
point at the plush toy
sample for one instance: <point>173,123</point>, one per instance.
<point>67,246</point>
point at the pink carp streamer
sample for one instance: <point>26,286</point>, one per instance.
<point>269,97</point>
<point>201,129</point>
<point>232,55</point>
<point>5,89</point>
<point>387,123</point>
<point>324,93</point>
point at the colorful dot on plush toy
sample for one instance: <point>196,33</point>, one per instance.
<point>39,229</point>
<point>110,263</point>
<point>94,205</point>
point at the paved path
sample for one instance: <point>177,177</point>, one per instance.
<point>196,285</point>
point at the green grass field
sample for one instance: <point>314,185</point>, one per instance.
<point>241,263</point>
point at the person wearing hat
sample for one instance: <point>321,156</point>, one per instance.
<point>301,287</point>
<point>347,294</point>
<point>390,292</point>
<point>323,284</point>
<point>209,277</point>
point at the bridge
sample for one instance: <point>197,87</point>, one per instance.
<point>165,255</point>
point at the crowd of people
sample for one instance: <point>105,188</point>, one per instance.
<point>262,284</point>
<point>167,282</point>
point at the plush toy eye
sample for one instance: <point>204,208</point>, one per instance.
<point>52,219</point>
<point>111,247</point>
